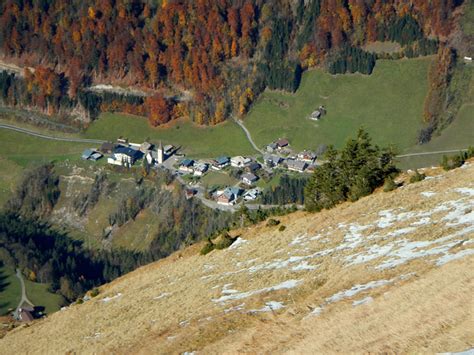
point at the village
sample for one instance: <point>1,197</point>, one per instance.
<point>250,173</point>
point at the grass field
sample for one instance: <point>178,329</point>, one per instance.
<point>388,104</point>
<point>10,290</point>
<point>218,178</point>
<point>198,142</point>
<point>38,294</point>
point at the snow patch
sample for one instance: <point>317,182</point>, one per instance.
<point>357,289</point>
<point>164,294</point>
<point>108,299</point>
<point>269,307</point>
<point>428,194</point>
<point>365,300</point>
<point>238,243</point>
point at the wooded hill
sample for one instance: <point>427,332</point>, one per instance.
<point>206,59</point>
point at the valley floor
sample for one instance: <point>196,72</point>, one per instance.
<point>392,273</point>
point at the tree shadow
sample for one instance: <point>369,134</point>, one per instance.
<point>3,279</point>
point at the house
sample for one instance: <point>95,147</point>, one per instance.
<point>220,163</point>
<point>124,156</point>
<point>187,165</point>
<point>272,160</point>
<point>296,165</point>
<point>122,140</point>
<point>239,161</point>
<point>145,147</point>
<point>282,143</point>
<point>95,156</point>
<point>272,147</point>
<point>86,154</point>
<point>307,156</point>
<point>236,191</point>
<point>468,59</point>
<point>200,169</point>
<point>189,193</point>
<point>252,194</point>
<point>168,149</point>
<point>249,178</point>
<point>253,167</point>
<point>107,147</point>
<point>226,198</point>
<point>316,115</point>
<point>25,314</point>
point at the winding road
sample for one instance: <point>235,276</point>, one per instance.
<point>24,297</point>
<point>45,136</point>
<point>247,133</point>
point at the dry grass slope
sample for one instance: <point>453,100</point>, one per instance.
<point>392,273</point>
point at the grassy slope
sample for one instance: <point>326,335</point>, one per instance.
<point>198,142</point>
<point>10,292</point>
<point>387,103</point>
<point>38,294</point>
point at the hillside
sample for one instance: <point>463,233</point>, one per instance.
<point>389,273</point>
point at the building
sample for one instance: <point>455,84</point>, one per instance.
<point>307,156</point>
<point>25,314</point>
<point>226,197</point>
<point>107,148</point>
<point>189,193</point>
<point>95,156</point>
<point>272,160</point>
<point>220,163</point>
<point>168,149</point>
<point>282,143</point>
<point>296,165</point>
<point>239,161</point>
<point>86,154</point>
<point>200,169</point>
<point>145,147</point>
<point>316,115</point>
<point>252,194</point>
<point>253,167</point>
<point>272,147</point>
<point>160,154</point>
<point>249,178</point>
<point>187,165</point>
<point>124,156</point>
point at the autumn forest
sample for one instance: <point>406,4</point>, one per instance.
<point>207,59</point>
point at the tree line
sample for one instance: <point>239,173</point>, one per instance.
<point>221,53</point>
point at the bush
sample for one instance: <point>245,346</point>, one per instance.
<point>455,161</point>
<point>94,292</point>
<point>417,177</point>
<point>389,184</point>
<point>208,247</point>
<point>282,228</point>
<point>225,241</point>
<point>272,222</point>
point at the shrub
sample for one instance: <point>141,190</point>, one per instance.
<point>94,292</point>
<point>272,222</point>
<point>282,228</point>
<point>389,184</point>
<point>417,177</point>
<point>225,241</point>
<point>208,247</point>
<point>455,161</point>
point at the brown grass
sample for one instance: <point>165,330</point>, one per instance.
<point>431,311</point>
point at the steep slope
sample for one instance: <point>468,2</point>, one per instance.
<point>392,272</point>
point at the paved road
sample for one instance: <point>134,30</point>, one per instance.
<point>249,136</point>
<point>24,297</point>
<point>45,136</point>
<point>431,153</point>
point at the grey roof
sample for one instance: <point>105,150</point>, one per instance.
<point>96,156</point>
<point>296,164</point>
<point>222,160</point>
<point>235,190</point>
<point>86,154</point>
<point>250,177</point>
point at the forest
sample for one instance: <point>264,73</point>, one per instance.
<point>204,59</point>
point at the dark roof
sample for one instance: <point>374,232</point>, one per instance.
<point>107,147</point>
<point>282,142</point>
<point>254,166</point>
<point>136,154</point>
<point>96,156</point>
<point>26,316</point>
<point>187,162</point>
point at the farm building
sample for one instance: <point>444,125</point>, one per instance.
<point>124,156</point>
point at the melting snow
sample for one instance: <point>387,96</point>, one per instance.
<point>365,300</point>
<point>235,308</point>
<point>465,191</point>
<point>164,294</point>
<point>108,299</point>
<point>237,296</point>
<point>450,257</point>
<point>269,307</point>
<point>428,194</point>
<point>357,289</point>
<point>238,243</point>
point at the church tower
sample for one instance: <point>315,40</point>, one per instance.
<point>160,153</point>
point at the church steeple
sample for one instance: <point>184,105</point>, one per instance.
<point>160,153</point>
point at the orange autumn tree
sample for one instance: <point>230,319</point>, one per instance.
<point>159,110</point>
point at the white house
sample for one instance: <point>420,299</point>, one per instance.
<point>187,165</point>
<point>200,169</point>
<point>249,178</point>
<point>124,156</point>
<point>252,194</point>
<point>239,161</point>
<point>307,156</point>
